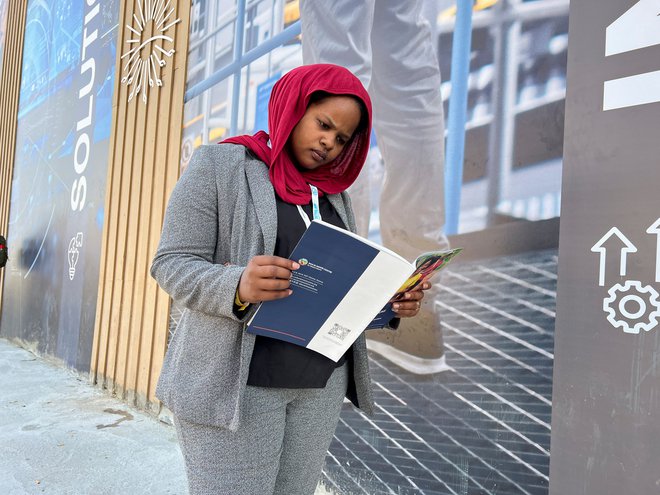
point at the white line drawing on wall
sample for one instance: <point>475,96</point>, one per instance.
<point>628,247</point>
<point>630,306</point>
<point>73,253</point>
<point>655,229</point>
<point>144,71</point>
<point>641,298</point>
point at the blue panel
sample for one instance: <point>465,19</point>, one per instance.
<point>263,95</point>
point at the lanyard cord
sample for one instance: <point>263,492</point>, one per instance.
<point>315,207</point>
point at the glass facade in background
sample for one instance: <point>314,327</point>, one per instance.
<point>4,4</point>
<point>483,426</point>
<point>520,178</point>
<point>58,187</point>
<point>207,118</point>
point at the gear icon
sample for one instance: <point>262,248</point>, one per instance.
<point>629,294</point>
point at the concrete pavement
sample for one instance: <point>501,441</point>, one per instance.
<point>59,435</point>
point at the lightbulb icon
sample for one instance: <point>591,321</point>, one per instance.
<point>73,253</point>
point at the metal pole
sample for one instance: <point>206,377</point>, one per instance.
<point>501,135</point>
<point>239,34</point>
<point>211,15</point>
<point>460,69</point>
<point>251,11</point>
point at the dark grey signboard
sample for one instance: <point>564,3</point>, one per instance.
<point>606,401</point>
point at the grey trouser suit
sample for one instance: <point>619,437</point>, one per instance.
<point>222,213</point>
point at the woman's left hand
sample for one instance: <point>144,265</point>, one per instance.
<point>412,301</point>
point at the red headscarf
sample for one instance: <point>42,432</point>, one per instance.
<point>288,103</point>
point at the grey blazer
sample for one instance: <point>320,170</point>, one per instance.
<point>222,213</point>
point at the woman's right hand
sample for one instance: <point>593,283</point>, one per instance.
<point>266,278</point>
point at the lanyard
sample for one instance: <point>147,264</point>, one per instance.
<point>315,207</point>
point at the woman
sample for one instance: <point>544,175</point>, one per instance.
<point>257,415</point>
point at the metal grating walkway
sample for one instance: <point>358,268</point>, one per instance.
<point>481,428</point>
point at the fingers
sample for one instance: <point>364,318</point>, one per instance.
<point>266,278</point>
<point>272,272</point>
<point>411,303</point>
<point>255,289</point>
<point>277,261</point>
<point>273,284</point>
<point>407,309</point>
<point>271,295</point>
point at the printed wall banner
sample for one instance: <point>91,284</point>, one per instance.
<point>58,188</point>
<point>493,404</point>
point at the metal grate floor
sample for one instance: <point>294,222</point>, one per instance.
<point>482,427</point>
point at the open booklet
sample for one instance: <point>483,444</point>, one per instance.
<point>345,284</point>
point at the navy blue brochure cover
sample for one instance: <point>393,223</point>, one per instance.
<point>331,262</point>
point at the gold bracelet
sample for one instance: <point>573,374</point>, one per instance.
<point>241,305</point>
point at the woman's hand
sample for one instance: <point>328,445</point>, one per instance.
<point>266,278</point>
<point>411,302</point>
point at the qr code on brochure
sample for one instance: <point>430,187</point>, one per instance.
<point>339,331</point>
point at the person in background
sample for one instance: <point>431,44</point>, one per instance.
<point>391,48</point>
<point>256,415</point>
<point>3,252</point>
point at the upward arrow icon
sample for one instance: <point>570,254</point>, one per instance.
<point>655,229</point>
<point>628,247</point>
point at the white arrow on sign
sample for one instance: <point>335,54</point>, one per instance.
<point>638,27</point>
<point>655,229</point>
<point>628,247</point>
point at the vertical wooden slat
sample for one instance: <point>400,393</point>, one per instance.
<point>138,229</point>
<point>131,327</point>
<point>10,83</point>
<point>127,233</point>
<point>102,353</point>
<point>167,142</point>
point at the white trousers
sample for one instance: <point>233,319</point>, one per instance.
<point>389,46</point>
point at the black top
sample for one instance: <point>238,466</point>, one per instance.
<point>279,364</point>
